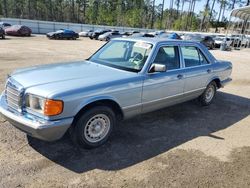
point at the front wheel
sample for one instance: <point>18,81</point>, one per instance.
<point>93,127</point>
<point>212,46</point>
<point>208,95</point>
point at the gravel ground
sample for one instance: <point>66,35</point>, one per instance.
<point>182,146</point>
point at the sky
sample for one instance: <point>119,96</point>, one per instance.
<point>199,6</point>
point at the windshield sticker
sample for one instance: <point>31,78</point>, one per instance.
<point>143,45</point>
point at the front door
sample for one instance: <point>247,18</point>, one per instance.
<point>162,89</point>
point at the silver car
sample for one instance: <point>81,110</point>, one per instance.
<point>125,78</point>
<point>109,35</point>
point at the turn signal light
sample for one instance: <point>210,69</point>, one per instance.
<point>53,107</point>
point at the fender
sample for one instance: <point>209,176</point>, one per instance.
<point>93,99</point>
<point>213,78</point>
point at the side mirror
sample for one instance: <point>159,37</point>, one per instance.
<point>157,68</point>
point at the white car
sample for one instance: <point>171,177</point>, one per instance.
<point>109,35</point>
<point>85,33</point>
<point>219,40</point>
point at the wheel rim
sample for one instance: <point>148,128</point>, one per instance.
<point>97,128</point>
<point>209,93</point>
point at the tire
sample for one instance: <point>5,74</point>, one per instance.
<point>212,47</point>
<point>208,95</point>
<point>3,36</point>
<point>93,127</point>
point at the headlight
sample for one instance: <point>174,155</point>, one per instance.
<point>44,106</point>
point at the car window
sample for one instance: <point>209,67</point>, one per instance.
<point>168,56</point>
<point>193,56</point>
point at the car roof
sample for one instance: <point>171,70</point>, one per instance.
<point>156,40</point>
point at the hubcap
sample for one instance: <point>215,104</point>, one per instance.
<point>209,94</point>
<point>97,128</point>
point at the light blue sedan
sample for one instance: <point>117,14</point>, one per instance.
<point>124,78</point>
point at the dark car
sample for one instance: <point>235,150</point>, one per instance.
<point>2,33</point>
<point>208,41</point>
<point>63,34</point>
<point>142,35</point>
<point>98,32</point>
<point>4,25</point>
<point>18,30</point>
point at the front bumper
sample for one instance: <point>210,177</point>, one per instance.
<point>36,127</point>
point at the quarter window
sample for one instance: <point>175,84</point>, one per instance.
<point>168,56</point>
<point>193,56</point>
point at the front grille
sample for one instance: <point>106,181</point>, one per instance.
<point>13,94</point>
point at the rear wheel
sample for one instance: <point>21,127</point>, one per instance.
<point>93,127</point>
<point>208,95</point>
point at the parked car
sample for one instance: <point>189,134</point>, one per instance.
<point>208,41</point>
<point>2,33</point>
<point>63,34</point>
<point>4,25</point>
<point>109,35</point>
<point>18,30</point>
<point>219,40</point>
<point>157,33</point>
<point>86,33</point>
<point>163,35</point>
<point>124,78</point>
<point>132,32</point>
<point>98,32</point>
<point>142,35</point>
<point>174,36</point>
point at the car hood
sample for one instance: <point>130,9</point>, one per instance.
<point>63,76</point>
<point>218,41</point>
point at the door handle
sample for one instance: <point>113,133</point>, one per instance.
<point>179,76</point>
<point>209,70</point>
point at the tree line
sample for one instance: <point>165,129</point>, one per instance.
<point>180,15</point>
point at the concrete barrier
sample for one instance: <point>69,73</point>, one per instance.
<point>42,27</point>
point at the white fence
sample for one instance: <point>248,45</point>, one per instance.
<point>42,27</point>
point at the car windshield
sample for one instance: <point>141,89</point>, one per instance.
<point>125,55</point>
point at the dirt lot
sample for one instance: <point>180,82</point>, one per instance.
<point>182,146</point>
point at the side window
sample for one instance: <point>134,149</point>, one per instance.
<point>168,56</point>
<point>193,56</point>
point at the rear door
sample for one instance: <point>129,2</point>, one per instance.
<point>198,70</point>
